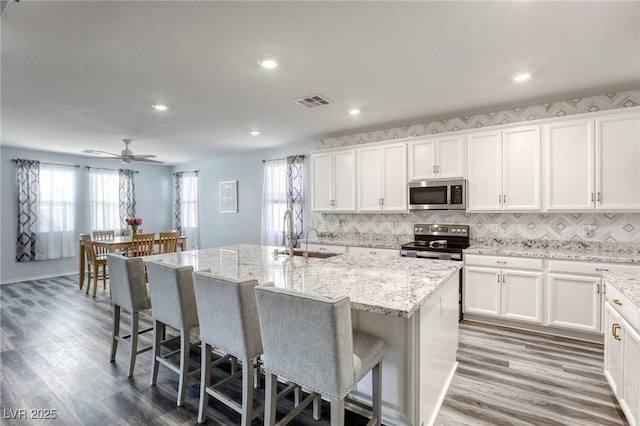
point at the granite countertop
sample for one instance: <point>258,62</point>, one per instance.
<point>557,249</point>
<point>386,243</point>
<point>627,284</point>
<point>394,286</point>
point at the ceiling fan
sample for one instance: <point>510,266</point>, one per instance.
<point>126,156</point>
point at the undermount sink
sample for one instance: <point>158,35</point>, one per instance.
<point>315,254</point>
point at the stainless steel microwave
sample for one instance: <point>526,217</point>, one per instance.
<point>445,194</point>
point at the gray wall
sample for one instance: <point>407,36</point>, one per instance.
<point>154,202</point>
<point>219,229</point>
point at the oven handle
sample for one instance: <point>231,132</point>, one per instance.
<point>431,255</point>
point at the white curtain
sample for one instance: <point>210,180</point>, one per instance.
<point>104,189</point>
<point>274,201</point>
<point>56,225</point>
<point>187,207</point>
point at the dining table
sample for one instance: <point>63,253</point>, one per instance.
<point>114,244</point>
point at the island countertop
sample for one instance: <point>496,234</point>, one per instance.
<point>395,286</point>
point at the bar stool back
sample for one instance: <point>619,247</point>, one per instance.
<point>308,340</point>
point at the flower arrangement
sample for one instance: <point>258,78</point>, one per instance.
<point>134,221</point>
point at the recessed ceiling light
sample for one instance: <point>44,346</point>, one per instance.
<point>255,132</point>
<point>354,111</point>
<point>160,107</point>
<point>523,76</point>
<point>268,63</point>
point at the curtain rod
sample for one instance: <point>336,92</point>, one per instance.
<point>192,171</point>
<point>15,160</point>
<point>274,159</point>
<point>104,168</point>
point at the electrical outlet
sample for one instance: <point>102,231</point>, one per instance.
<point>586,231</point>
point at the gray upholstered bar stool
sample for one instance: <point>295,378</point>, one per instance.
<point>128,292</point>
<point>229,322</point>
<point>173,303</point>
<point>309,340</point>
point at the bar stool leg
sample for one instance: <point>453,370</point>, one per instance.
<point>247,392</point>
<point>184,367</point>
<point>134,342</point>
<point>270,402</point>
<point>205,377</point>
<point>376,377</point>
<point>157,343</point>
<point>116,332</point>
<point>337,412</point>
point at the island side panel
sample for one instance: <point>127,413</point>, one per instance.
<point>419,358</point>
<point>438,346</point>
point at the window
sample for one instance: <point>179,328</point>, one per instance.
<point>187,207</point>
<point>104,199</point>
<point>56,218</point>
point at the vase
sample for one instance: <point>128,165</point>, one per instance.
<point>134,229</point>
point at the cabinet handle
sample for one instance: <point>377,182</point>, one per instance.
<point>597,288</point>
<point>438,169</point>
<point>383,201</point>
<point>592,197</point>
<point>499,199</point>
<point>604,288</point>
<point>504,198</point>
<point>601,269</point>
<point>498,275</point>
<point>433,169</point>
<point>373,252</point>
<point>501,262</point>
<point>322,248</point>
<point>504,278</point>
<point>614,331</point>
<point>598,198</point>
<point>617,302</point>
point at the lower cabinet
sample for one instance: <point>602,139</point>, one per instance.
<point>574,301</point>
<point>509,291</point>
<point>622,362</point>
<point>374,251</point>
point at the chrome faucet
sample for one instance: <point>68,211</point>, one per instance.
<point>306,241</point>
<point>288,232</point>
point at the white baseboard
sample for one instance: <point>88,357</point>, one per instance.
<point>38,277</point>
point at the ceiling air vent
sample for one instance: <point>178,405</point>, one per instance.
<point>312,101</point>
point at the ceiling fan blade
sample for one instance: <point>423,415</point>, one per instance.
<point>144,160</point>
<point>95,151</point>
<point>141,157</point>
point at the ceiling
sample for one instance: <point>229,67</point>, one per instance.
<point>83,75</point>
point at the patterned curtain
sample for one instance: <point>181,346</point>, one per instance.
<point>28,209</point>
<point>127,197</point>
<point>295,197</point>
<point>178,206</point>
<point>186,208</point>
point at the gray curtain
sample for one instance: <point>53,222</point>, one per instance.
<point>127,198</point>
<point>178,206</point>
<point>295,196</point>
<point>28,209</point>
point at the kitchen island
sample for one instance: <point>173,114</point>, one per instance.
<point>410,303</point>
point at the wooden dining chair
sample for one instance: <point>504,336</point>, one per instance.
<point>103,235</point>
<point>97,263</point>
<point>168,242</point>
<point>126,232</point>
<point>142,245</point>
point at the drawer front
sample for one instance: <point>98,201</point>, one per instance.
<point>623,305</point>
<point>591,268</point>
<point>374,251</point>
<point>327,248</point>
<point>504,262</point>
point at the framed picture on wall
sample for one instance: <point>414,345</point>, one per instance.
<point>229,196</point>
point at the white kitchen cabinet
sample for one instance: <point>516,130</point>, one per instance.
<point>333,181</point>
<point>594,163</point>
<point>504,171</point>
<point>622,352</point>
<point>374,251</point>
<point>618,161</point>
<point>505,287</point>
<point>382,178</point>
<point>574,301</point>
<point>440,157</point>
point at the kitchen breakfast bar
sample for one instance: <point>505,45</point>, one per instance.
<point>410,303</point>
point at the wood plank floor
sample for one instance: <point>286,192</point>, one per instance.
<point>54,354</point>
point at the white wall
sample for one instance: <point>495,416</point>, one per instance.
<point>154,203</point>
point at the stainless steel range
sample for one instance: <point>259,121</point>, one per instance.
<point>434,241</point>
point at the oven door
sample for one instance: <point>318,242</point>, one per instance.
<point>426,254</point>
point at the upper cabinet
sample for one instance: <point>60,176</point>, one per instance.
<point>594,164</point>
<point>504,170</point>
<point>437,158</point>
<point>382,178</point>
<point>333,181</point>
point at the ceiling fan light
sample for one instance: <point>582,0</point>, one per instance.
<point>160,107</point>
<point>268,63</point>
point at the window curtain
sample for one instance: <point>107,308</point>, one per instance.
<point>56,225</point>
<point>28,178</point>
<point>126,194</point>
<point>104,199</point>
<point>186,207</point>
<point>282,190</point>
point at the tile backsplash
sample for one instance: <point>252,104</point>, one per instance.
<point>624,228</point>
<point>621,227</point>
